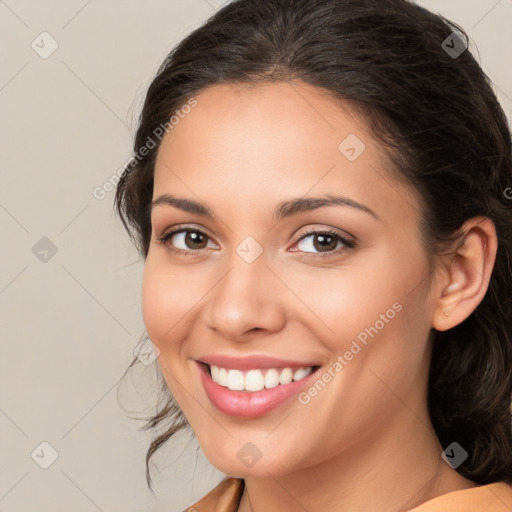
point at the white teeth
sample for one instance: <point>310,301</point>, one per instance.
<point>286,376</point>
<point>301,373</point>
<point>271,378</point>
<point>235,380</point>
<point>256,380</point>
<point>223,377</point>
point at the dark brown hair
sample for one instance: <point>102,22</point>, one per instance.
<point>437,116</point>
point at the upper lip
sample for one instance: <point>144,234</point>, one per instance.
<point>252,362</point>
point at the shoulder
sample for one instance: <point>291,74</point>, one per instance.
<point>496,497</point>
<point>225,497</point>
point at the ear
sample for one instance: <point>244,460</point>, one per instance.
<point>463,276</point>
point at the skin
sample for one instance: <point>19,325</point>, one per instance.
<point>365,442</point>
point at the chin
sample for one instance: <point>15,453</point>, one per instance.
<point>248,461</point>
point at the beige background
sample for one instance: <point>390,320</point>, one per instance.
<point>69,324</point>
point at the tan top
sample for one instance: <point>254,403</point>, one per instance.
<point>495,497</point>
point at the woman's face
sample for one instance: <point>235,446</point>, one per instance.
<point>266,281</point>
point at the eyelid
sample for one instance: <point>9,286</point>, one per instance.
<point>318,228</point>
<point>168,233</point>
<point>346,242</point>
<point>183,227</point>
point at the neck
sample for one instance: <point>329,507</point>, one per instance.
<point>393,470</point>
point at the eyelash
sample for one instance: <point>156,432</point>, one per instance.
<point>349,244</point>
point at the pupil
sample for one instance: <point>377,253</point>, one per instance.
<point>324,238</point>
<point>194,237</point>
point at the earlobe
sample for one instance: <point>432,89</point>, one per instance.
<point>466,274</point>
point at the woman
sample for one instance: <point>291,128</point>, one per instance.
<point>319,193</point>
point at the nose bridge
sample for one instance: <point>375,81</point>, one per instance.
<point>240,301</point>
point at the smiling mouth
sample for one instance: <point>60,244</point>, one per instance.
<point>256,379</point>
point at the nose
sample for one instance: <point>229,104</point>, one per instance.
<point>246,300</point>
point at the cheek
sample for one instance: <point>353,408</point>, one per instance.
<point>374,315</point>
<point>166,298</point>
<point>343,305</point>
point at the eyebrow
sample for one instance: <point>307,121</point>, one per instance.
<point>281,211</point>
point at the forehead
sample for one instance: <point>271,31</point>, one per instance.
<point>261,144</point>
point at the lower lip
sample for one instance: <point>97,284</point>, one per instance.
<point>249,404</point>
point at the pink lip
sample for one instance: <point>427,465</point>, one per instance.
<point>246,404</point>
<point>252,362</point>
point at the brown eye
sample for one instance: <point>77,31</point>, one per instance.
<point>194,239</point>
<point>324,243</point>
<point>185,240</point>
